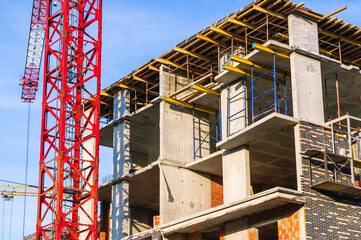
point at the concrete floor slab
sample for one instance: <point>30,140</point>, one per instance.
<point>269,124</point>
<point>263,201</point>
<point>209,164</point>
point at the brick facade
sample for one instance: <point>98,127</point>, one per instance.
<point>289,228</point>
<point>327,215</point>
<point>217,191</point>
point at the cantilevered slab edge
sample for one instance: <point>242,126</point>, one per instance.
<point>275,197</point>
<point>209,164</point>
<point>270,123</point>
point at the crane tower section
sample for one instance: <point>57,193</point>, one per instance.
<point>30,80</point>
<point>69,154</point>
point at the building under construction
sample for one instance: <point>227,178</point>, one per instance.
<point>249,129</point>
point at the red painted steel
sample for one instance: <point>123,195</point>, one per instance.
<point>30,80</point>
<point>69,154</point>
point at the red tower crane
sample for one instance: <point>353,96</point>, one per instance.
<point>30,80</point>
<point>70,119</point>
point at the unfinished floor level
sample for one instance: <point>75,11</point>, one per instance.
<point>249,129</point>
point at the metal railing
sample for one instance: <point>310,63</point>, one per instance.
<point>205,137</point>
<point>239,114</point>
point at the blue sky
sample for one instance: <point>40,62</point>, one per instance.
<point>133,33</point>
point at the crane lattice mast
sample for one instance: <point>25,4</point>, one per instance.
<point>70,121</point>
<point>30,80</point>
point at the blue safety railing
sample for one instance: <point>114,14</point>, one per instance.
<point>287,105</point>
<point>205,136</point>
<point>273,106</point>
<point>240,114</point>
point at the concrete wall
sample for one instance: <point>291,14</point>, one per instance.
<point>303,33</point>
<point>182,192</point>
<point>140,220</point>
<point>170,82</point>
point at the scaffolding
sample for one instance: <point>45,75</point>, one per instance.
<point>339,159</point>
<point>205,137</point>
<point>242,113</point>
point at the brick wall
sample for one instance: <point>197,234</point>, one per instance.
<point>327,215</point>
<point>216,191</point>
<point>289,228</point>
<point>314,136</point>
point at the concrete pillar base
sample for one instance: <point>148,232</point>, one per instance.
<point>236,174</point>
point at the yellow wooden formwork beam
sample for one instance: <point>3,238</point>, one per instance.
<point>272,13</point>
<point>282,36</point>
<point>243,24</point>
<point>151,67</point>
<point>247,62</point>
<point>234,69</point>
<point>241,72</point>
<point>141,104</point>
<point>192,54</point>
<point>104,93</point>
<point>257,65</point>
<point>226,33</point>
<point>334,12</point>
<point>142,80</point>
<point>121,85</point>
<point>204,89</point>
<point>214,41</point>
<point>135,77</point>
<point>176,65</point>
<point>345,39</point>
<point>190,105</point>
<point>269,50</point>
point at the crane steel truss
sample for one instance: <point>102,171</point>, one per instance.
<point>30,80</point>
<point>9,191</point>
<point>70,121</point>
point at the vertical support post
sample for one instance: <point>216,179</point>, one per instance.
<point>350,149</point>
<point>275,82</point>
<point>121,166</point>
<point>246,40</point>
<point>267,31</point>
<point>339,51</point>
<point>252,92</point>
<point>325,164</point>
<point>338,98</point>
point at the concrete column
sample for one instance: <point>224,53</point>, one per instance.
<point>305,71</point>
<point>239,230</point>
<point>236,174</point>
<point>121,166</point>
<point>306,82</point>
<point>236,104</point>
